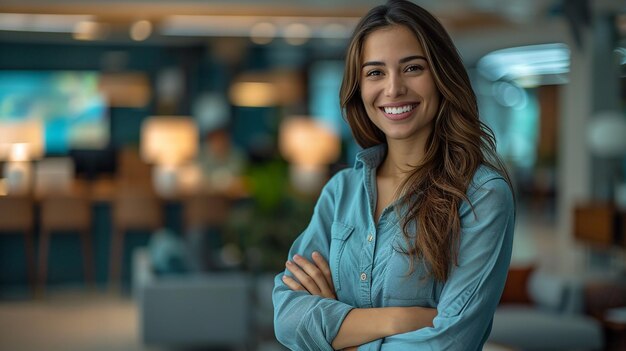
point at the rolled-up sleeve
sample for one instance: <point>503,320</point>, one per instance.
<point>471,294</point>
<point>303,321</point>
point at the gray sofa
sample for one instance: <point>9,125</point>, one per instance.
<point>193,310</point>
<point>555,321</point>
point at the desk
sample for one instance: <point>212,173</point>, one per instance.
<point>65,265</point>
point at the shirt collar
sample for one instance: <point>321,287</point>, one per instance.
<point>371,157</point>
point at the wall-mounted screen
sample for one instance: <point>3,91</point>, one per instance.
<point>69,104</point>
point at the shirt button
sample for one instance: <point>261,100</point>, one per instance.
<point>363,276</point>
<point>370,238</point>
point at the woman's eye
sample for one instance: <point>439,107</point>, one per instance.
<point>414,68</point>
<point>373,73</point>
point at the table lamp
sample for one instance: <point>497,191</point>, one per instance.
<point>20,143</point>
<point>168,142</point>
<point>309,145</point>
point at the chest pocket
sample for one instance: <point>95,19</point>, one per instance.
<point>340,233</point>
<point>403,289</point>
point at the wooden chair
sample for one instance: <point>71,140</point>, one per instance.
<point>134,208</point>
<point>204,219</point>
<point>16,216</point>
<point>65,207</point>
<point>65,213</point>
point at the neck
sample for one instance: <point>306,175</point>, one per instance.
<point>402,157</point>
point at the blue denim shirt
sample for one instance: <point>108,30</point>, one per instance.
<point>369,271</point>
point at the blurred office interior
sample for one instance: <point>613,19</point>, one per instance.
<point>159,157</point>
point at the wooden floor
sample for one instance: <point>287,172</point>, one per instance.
<point>70,320</point>
<point>79,321</point>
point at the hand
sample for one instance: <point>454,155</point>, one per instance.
<point>313,277</point>
<point>353,348</point>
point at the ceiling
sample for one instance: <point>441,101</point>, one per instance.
<point>476,25</point>
<point>119,10</point>
<point>266,6</point>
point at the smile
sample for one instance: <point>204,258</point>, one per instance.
<point>397,113</point>
<point>398,109</point>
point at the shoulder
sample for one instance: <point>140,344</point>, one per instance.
<point>490,205</point>
<point>490,186</point>
<point>487,178</point>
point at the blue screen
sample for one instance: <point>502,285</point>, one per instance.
<point>65,101</point>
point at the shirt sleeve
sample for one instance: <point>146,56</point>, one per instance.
<point>470,296</point>
<point>303,321</point>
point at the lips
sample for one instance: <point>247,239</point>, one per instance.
<point>398,112</point>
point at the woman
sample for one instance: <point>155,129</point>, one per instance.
<point>410,248</point>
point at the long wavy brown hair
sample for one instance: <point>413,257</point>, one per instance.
<point>458,145</point>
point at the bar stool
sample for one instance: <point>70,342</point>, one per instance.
<point>204,220</point>
<point>134,208</point>
<point>65,213</point>
<point>16,216</point>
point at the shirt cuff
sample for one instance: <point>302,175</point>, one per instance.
<point>326,318</point>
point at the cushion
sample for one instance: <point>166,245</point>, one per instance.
<point>555,292</point>
<point>516,286</point>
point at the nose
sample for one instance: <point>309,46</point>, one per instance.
<point>395,86</point>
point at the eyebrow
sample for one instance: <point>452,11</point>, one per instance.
<point>402,60</point>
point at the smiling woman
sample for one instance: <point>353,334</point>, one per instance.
<point>410,248</point>
<point>397,87</point>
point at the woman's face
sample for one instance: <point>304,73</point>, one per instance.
<point>397,86</point>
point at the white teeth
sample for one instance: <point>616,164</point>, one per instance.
<point>398,110</point>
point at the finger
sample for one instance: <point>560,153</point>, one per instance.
<point>314,272</point>
<point>324,267</point>
<point>292,284</point>
<point>305,280</point>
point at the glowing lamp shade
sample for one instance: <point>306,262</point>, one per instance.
<point>254,94</point>
<point>308,145</point>
<point>266,89</point>
<point>308,142</point>
<point>169,140</point>
<point>21,141</point>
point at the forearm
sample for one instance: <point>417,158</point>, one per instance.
<point>363,325</point>
<point>303,321</point>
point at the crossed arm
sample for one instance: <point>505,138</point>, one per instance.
<point>361,325</point>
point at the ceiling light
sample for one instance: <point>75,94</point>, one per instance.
<point>212,26</point>
<point>522,62</point>
<point>263,33</point>
<point>140,30</point>
<point>297,33</point>
<point>300,28</point>
<point>88,30</point>
<point>41,22</point>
